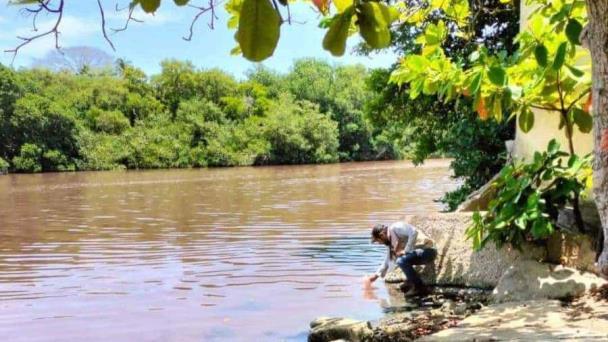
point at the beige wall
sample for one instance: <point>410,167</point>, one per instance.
<point>546,125</point>
<point>545,129</point>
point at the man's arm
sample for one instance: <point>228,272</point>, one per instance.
<point>381,272</point>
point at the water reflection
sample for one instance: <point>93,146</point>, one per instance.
<point>224,254</point>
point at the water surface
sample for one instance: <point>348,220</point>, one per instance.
<point>238,254</point>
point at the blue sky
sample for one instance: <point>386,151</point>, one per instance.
<point>160,37</point>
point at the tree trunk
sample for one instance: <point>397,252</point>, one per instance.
<point>597,40</point>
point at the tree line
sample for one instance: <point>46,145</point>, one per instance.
<point>185,117</point>
<point>120,118</point>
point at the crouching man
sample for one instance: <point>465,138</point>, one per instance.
<point>401,239</point>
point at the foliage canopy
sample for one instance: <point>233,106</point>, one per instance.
<point>185,117</point>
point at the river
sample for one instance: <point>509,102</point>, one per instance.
<point>235,254</point>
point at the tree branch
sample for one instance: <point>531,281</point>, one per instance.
<point>586,92</point>
<point>103,25</point>
<point>547,108</point>
<point>130,18</point>
<point>54,30</point>
<point>202,10</point>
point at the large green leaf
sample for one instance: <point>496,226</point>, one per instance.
<point>560,56</point>
<point>435,34</point>
<point>526,120</point>
<point>541,55</point>
<point>475,83</point>
<point>342,5</point>
<point>259,29</point>
<point>497,108</point>
<point>149,6</point>
<point>335,38</point>
<point>497,75</point>
<point>553,147</point>
<point>373,20</point>
<point>573,31</point>
<point>582,119</point>
<point>575,71</point>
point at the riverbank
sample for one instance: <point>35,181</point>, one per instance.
<point>447,316</point>
<point>517,285</point>
<point>405,319</point>
<point>584,319</point>
<point>399,163</point>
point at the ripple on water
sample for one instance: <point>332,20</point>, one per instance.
<point>235,254</point>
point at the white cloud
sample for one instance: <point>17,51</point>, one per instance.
<point>72,31</point>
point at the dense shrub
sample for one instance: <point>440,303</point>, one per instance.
<point>298,134</point>
<point>529,198</point>
<point>426,127</point>
<point>101,151</point>
<point>235,144</point>
<point>29,159</point>
<point>111,122</point>
<point>4,165</point>
<point>184,117</point>
<point>54,160</point>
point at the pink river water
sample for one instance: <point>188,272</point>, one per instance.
<point>237,254</point>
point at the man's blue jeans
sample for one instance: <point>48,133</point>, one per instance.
<point>416,257</point>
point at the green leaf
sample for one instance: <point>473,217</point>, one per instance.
<point>429,87</point>
<point>583,120</point>
<point>475,83</point>
<point>373,20</point>
<point>335,38</point>
<point>560,56</point>
<point>181,2</point>
<point>259,29</point>
<point>23,2</point>
<point>435,34</point>
<point>474,56</point>
<point>416,62</point>
<point>497,108</point>
<point>416,88</point>
<point>539,228</point>
<point>342,5</point>
<point>497,75</point>
<point>532,201</point>
<point>541,54</point>
<point>553,147</point>
<point>149,6</point>
<point>573,31</point>
<point>575,71</point>
<point>526,120</point>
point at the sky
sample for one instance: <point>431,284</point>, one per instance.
<point>160,37</point>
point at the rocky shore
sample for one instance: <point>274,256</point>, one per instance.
<point>405,319</point>
<point>488,295</point>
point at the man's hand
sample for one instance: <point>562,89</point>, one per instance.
<point>400,254</point>
<point>372,278</point>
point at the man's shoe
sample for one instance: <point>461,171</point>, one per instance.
<point>405,287</point>
<point>418,291</point>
